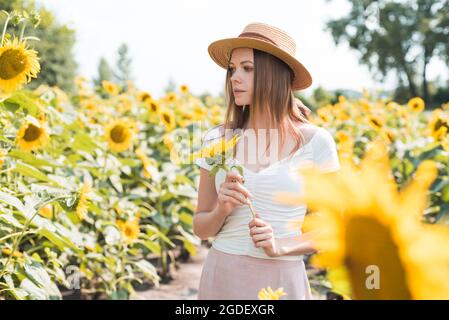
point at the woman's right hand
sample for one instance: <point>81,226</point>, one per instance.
<point>232,193</point>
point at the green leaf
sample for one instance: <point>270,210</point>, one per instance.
<point>154,230</point>
<point>60,241</point>
<point>31,159</point>
<point>186,218</point>
<point>152,246</point>
<point>239,169</point>
<point>148,269</point>
<point>32,172</point>
<point>12,201</point>
<point>83,141</point>
<point>43,286</point>
<point>9,219</point>
<point>21,99</point>
<point>445,193</point>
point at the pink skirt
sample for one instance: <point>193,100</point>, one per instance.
<point>238,277</point>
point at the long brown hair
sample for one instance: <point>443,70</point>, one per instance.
<point>272,96</point>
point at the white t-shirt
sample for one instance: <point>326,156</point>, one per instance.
<point>281,176</point>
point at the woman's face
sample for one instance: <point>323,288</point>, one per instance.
<point>242,75</point>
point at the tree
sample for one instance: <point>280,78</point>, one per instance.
<point>123,73</point>
<point>104,72</point>
<point>58,66</point>
<point>397,36</point>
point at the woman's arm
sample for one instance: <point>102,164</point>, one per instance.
<point>262,236</point>
<point>213,208</point>
<point>208,219</point>
<point>299,245</point>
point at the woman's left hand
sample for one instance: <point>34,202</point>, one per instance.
<point>263,237</point>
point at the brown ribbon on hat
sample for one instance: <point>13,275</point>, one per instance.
<point>258,36</point>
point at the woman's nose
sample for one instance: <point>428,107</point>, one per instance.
<point>235,77</point>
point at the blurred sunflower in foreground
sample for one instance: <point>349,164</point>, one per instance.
<point>370,236</point>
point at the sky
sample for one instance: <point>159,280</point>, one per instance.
<point>169,39</point>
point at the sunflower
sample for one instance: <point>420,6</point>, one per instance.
<point>46,211</point>
<point>171,97</point>
<point>152,105</point>
<point>388,135</point>
<point>148,163</point>
<point>365,225</point>
<point>220,147</point>
<point>18,65</point>
<point>109,87</point>
<point>269,294</point>
<point>32,135</point>
<point>83,197</point>
<point>199,112</point>
<point>3,153</point>
<point>375,122</point>
<point>119,134</point>
<point>184,89</point>
<point>130,229</point>
<point>186,119</point>
<point>167,117</point>
<point>323,113</point>
<point>216,110</point>
<point>438,124</point>
<point>416,104</point>
<point>445,143</point>
<point>343,137</point>
<point>124,104</point>
<point>143,96</point>
<point>8,252</point>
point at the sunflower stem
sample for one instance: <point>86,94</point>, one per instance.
<point>22,31</point>
<point>21,234</point>
<point>250,205</point>
<point>4,30</point>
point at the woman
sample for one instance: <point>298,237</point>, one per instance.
<point>247,253</point>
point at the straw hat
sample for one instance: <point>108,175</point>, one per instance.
<point>266,38</point>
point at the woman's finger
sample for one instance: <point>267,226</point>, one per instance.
<point>235,195</point>
<point>230,199</point>
<point>262,236</point>
<point>233,177</point>
<point>256,230</point>
<point>238,187</point>
<point>257,222</point>
<point>264,243</point>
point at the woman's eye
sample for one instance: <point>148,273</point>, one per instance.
<point>248,69</point>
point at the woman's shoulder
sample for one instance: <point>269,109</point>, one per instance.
<point>316,134</point>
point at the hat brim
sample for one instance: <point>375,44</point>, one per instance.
<point>220,51</point>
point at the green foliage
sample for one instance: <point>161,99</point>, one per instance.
<point>58,65</point>
<point>397,36</point>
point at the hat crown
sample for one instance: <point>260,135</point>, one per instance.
<point>270,34</point>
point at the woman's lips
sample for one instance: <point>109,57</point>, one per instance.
<point>238,92</point>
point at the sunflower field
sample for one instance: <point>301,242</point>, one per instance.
<point>95,193</point>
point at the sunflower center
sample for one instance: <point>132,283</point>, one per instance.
<point>128,232</point>
<point>12,63</point>
<point>118,134</point>
<point>370,243</point>
<point>166,118</point>
<point>32,133</point>
<point>376,123</point>
<point>440,123</point>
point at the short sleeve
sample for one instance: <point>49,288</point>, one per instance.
<point>209,138</point>
<point>325,155</point>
